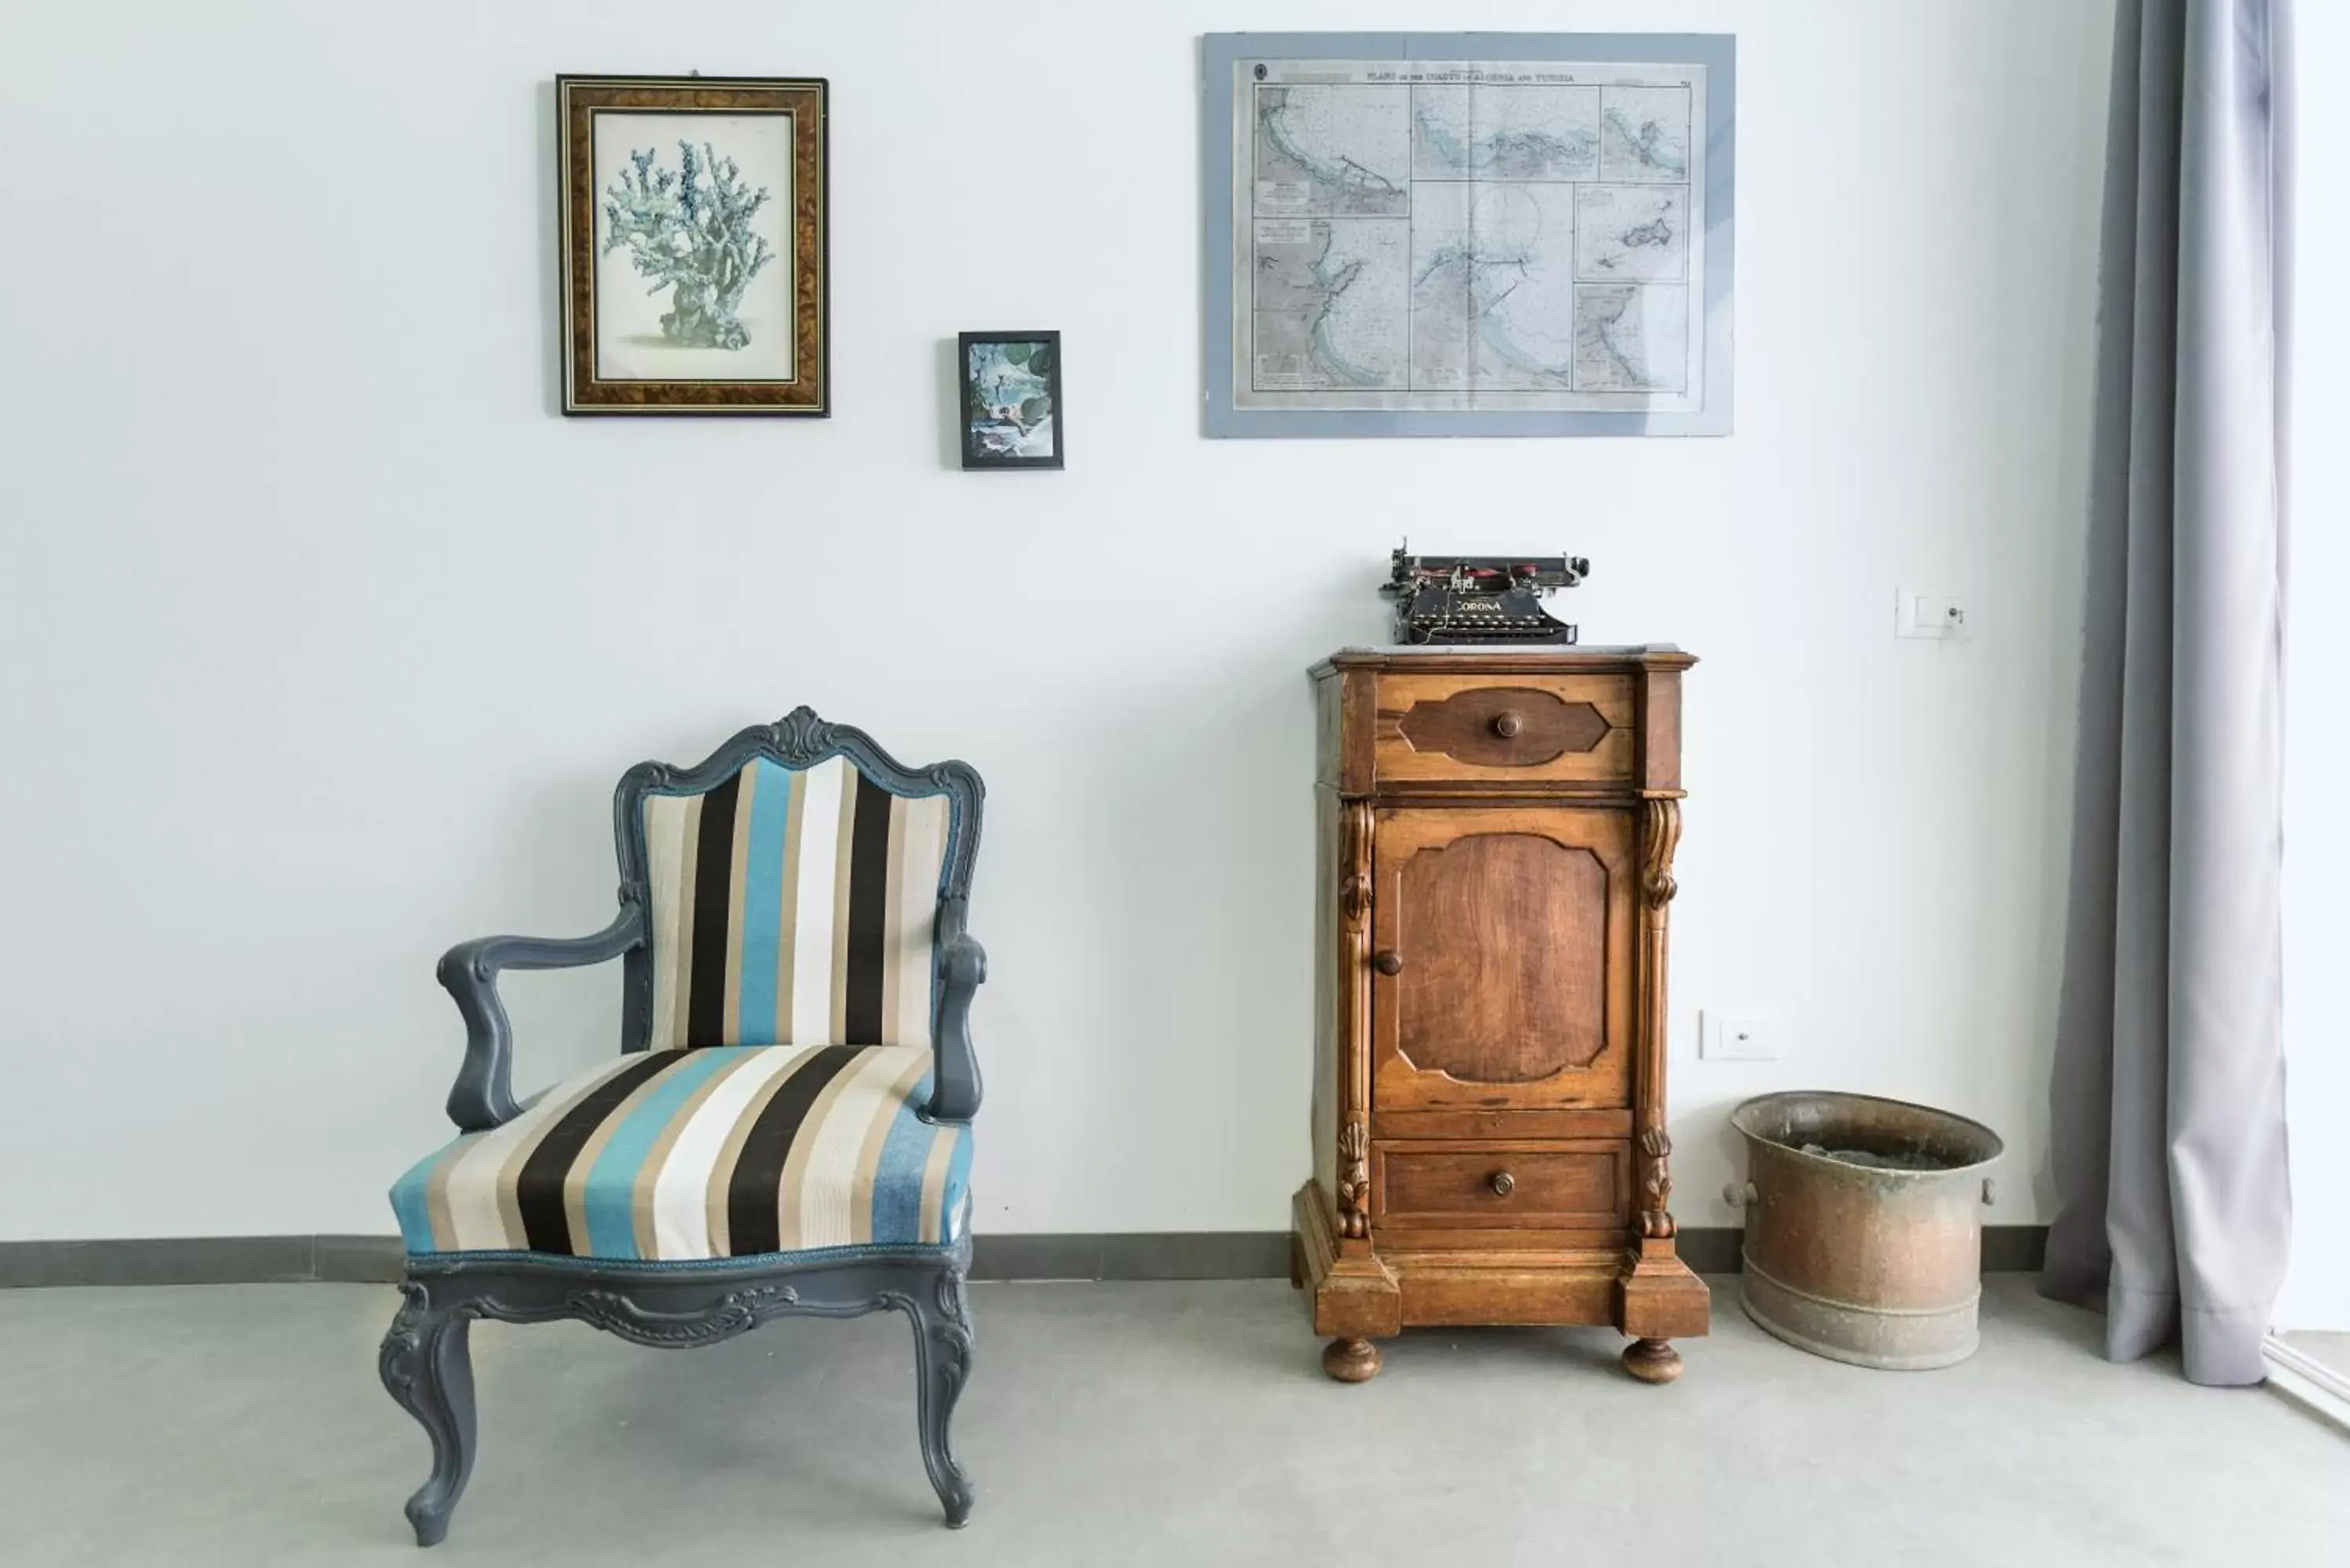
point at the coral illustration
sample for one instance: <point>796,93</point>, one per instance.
<point>690,231</point>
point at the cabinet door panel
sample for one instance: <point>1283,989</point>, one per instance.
<point>1510,932</point>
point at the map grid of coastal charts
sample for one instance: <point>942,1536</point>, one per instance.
<point>1469,236</point>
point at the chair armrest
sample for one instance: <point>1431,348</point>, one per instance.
<point>483,1096</point>
<point>963,965</point>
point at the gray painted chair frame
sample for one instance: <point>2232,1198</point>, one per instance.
<point>425,1360</point>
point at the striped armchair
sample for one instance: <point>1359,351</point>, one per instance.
<point>787,1129</point>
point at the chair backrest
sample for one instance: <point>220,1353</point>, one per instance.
<point>791,884</point>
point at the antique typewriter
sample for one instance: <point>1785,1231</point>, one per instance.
<point>1479,598</point>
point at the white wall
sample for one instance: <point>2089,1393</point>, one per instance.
<point>323,640</point>
<point>2317,747</point>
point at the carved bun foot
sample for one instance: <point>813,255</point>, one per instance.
<point>1351,1360</point>
<point>1652,1361</point>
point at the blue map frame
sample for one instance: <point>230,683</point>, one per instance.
<point>1717,53</point>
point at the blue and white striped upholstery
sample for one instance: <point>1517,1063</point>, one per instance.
<point>724,1152</point>
<point>794,906</point>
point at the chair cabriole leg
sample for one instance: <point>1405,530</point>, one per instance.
<point>942,1354</point>
<point>427,1366</point>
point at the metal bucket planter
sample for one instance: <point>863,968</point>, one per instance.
<point>1874,1258</point>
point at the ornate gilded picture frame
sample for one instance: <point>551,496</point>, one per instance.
<point>693,238</point>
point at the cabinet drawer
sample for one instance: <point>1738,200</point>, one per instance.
<point>1584,1184</point>
<point>1523,728</point>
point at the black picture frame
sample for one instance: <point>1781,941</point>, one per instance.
<point>980,449</point>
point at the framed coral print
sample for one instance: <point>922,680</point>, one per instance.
<point>695,273</point>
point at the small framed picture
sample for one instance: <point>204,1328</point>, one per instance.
<point>1012,414</point>
<point>694,275</point>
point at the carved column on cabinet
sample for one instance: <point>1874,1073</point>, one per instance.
<point>1654,1299</point>
<point>1659,837</point>
<point>1357,1298</point>
<point>1354,1012</point>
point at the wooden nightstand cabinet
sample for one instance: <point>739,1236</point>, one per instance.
<point>1496,849</point>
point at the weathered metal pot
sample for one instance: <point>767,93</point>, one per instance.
<point>1880,1265</point>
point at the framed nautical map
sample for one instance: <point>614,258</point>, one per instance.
<point>1469,233</point>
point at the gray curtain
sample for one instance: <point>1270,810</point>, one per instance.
<point>2169,1134</point>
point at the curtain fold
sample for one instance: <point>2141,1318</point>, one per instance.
<point>2167,1099</point>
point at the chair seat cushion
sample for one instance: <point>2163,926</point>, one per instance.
<point>723,1152</point>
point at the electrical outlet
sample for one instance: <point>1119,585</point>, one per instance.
<point>1736,1037</point>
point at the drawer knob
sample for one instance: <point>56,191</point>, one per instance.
<point>1507,724</point>
<point>1387,962</point>
<point>1503,1183</point>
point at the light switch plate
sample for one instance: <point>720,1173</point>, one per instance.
<point>1736,1037</point>
<point>1940,617</point>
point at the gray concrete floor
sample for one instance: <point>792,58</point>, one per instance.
<point>1131,1423</point>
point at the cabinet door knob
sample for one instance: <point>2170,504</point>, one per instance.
<point>1387,962</point>
<point>1507,724</point>
<point>1503,1183</point>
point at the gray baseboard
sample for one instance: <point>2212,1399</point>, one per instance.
<point>201,1260</point>
<point>1136,1255</point>
<point>2015,1249</point>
